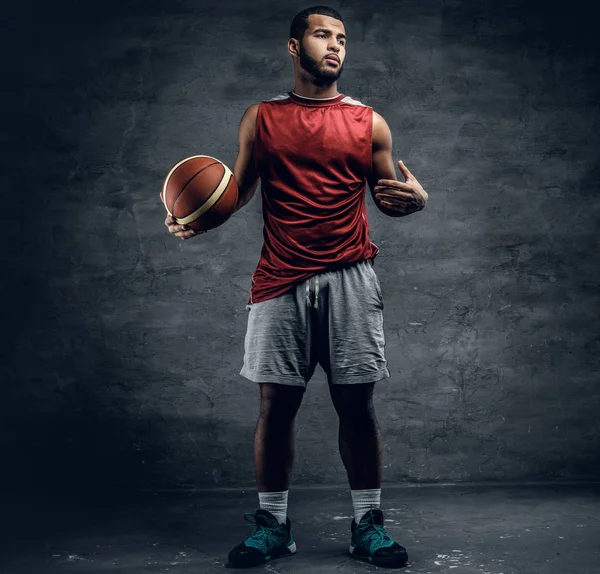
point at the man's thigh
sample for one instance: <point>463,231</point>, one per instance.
<point>352,339</point>
<point>277,342</point>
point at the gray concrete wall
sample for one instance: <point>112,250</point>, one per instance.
<point>122,345</point>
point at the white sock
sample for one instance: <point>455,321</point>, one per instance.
<point>276,503</point>
<point>365,500</point>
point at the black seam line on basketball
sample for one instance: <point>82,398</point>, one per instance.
<point>220,197</point>
<point>216,202</point>
<point>188,182</point>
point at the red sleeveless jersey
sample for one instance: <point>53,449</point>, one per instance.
<point>313,157</point>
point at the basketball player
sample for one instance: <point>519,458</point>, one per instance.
<point>314,296</point>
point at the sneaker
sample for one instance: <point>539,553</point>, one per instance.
<point>269,540</point>
<point>371,543</point>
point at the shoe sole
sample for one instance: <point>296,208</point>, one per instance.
<point>291,548</point>
<point>385,563</point>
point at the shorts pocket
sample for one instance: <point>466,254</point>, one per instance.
<point>377,286</point>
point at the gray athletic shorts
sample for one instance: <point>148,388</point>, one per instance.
<point>334,319</point>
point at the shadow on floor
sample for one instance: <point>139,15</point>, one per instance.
<point>461,529</point>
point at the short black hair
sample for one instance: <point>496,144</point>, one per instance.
<point>300,22</point>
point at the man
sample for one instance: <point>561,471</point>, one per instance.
<point>315,297</point>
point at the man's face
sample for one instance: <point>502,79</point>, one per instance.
<point>322,40</point>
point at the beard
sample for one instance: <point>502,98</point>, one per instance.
<point>323,75</point>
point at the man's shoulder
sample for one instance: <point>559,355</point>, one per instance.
<point>278,98</point>
<point>354,102</point>
<point>252,109</point>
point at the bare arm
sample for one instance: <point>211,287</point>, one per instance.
<point>244,170</point>
<point>407,197</point>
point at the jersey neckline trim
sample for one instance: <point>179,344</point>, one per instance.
<point>316,102</point>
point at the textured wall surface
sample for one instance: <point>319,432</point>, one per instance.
<point>122,345</point>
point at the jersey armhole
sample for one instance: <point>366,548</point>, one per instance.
<point>256,143</point>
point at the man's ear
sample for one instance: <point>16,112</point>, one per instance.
<point>293,46</point>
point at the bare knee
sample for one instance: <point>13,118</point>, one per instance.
<point>353,403</point>
<point>280,403</point>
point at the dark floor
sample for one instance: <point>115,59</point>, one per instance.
<point>454,529</point>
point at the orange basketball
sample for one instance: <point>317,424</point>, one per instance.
<point>200,192</point>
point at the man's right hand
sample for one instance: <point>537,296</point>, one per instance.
<point>181,231</point>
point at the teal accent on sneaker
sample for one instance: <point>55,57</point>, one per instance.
<point>268,541</point>
<point>371,542</point>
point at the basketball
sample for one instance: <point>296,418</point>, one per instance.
<point>200,192</point>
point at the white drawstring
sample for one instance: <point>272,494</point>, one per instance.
<point>316,292</point>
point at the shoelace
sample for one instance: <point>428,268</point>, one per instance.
<point>262,534</point>
<point>376,534</point>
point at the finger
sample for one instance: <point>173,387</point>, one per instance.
<point>405,172</point>
<point>161,197</point>
<point>185,234</point>
<point>399,207</point>
<point>169,220</point>
<point>402,202</point>
<point>175,228</point>
<point>393,184</point>
<point>396,195</point>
